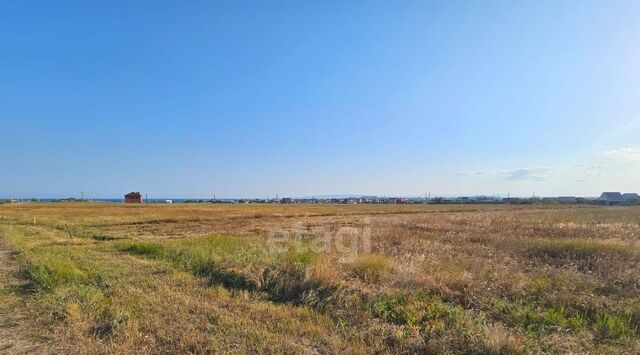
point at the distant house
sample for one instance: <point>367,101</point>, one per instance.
<point>630,197</point>
<point>611,198</point>
<point>584,200</point>
<point>133,197</point>
<point>568,199</point>
<point>485,199</point>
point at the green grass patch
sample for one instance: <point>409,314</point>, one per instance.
<point>535,318</point>
<point>47,272</point>
<point>612,327</point>
<point>445,325</point>
<point>431,315</point>
<point>143,248</point>
<point>299,258</point>
<point>633,313</point>
<point>557,317</point>
<point>236,263</point>
<point>213,258</point>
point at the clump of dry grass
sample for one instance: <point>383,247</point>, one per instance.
<point>498,340</point>
<point>372,268</point>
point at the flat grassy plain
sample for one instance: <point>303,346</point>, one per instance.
<point>199,278</point>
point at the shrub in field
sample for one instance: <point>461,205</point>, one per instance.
<point>371,268</point>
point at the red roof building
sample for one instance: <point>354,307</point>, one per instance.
<point>133,197</point>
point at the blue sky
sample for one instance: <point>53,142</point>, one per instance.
<point>299,98</point>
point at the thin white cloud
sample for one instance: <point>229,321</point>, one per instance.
<point>531,173</point>
<point>628,154</point>
<point>521,174</point>
<point>470,173</point>
<point>615,169</point>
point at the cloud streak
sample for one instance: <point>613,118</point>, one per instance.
<point>471,173</point>
<point>608,163</point>
<point>628,154</point>
<point>522,174</point>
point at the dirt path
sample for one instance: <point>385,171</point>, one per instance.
<point>14,334</point>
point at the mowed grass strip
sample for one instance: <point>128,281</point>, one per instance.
<point>236,263</point>
<point>89,296</point>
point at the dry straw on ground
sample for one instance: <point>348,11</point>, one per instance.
<point>201,278</point>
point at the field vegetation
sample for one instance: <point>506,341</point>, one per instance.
<point>201,278</point>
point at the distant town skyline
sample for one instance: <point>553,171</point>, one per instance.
<point>254,99</point>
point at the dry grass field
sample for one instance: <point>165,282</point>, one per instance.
<point>183,278</point>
